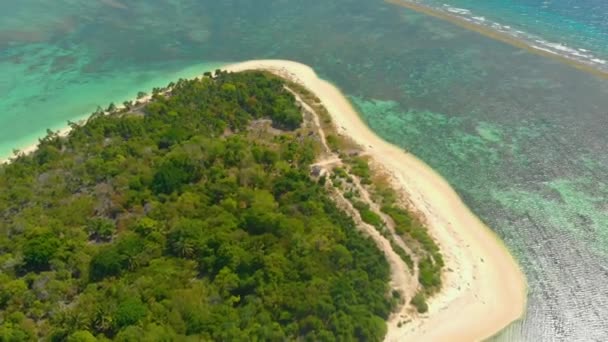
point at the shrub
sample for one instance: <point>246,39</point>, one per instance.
<point>419,301</point>
<point>430,274</point>
<point>368,216</point>
<point>333,142</point>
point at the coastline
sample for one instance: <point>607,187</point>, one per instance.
<point>499,36</point>
<point>93,96</point>
<point>484,289</point>
<point>63,132</point>
<point>66,129</point>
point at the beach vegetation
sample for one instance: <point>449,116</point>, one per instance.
<point>431,264</point>
<point>368,215</point>
<point>360,168</point>
<point>402,253</point>
<point>419,302</point>
<point>333,142</point>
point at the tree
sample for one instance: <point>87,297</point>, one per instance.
<point>129,312</point>
<point>226,281</point>
<point>183,239</point>
<point>145,226</point>
<point>173,174</point>
<point>39,250</point>
<point>82,336</point>
<point>341,257</point>
<point>10,331</point>
<point>261,217</point>
<point>106,263</point>
<point>101,229</point>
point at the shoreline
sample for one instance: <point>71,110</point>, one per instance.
<point>499,36</point>
<point>29,143</point>
<point>484,289</point>
<point>63,132</point>
<point>66,129</point>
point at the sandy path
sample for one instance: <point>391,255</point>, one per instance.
<point>402,278</point>
<point>485,289</point>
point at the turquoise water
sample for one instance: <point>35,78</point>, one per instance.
<point>572,28</point>
<point>32,104</point>
<point>521,137</point>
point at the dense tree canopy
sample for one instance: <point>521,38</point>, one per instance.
<point>182,221</point>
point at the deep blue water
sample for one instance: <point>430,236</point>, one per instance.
<point>521,137</point>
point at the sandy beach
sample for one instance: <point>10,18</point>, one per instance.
<point>484,288</point>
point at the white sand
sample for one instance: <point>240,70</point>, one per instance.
<point>485,290</point>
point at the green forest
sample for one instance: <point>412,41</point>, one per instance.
<point>190,218</point>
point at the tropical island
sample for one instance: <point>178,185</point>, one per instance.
<point>248,203</point>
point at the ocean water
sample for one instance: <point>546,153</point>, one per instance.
<point>521,137</point>
<point>573,28</point>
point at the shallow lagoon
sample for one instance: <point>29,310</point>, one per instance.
<point>521,137</point>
